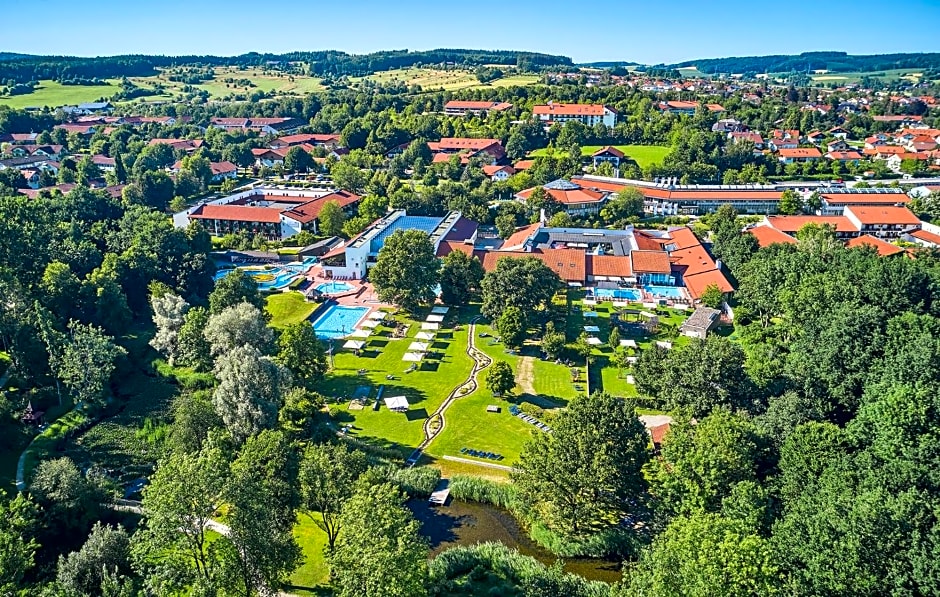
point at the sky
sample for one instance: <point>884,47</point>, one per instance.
<point>648,32</point>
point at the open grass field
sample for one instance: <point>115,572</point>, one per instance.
<point>907,74</point>
<point>450,80</point>
<point>643,155</point>
<point>691,72</point>
<point>50,93</point>
<point>313,575</point>
<point>261,80</point>
<point>287,308</point>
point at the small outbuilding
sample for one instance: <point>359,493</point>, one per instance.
<point>702,321</point>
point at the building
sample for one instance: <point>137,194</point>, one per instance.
<point>104,163</point>
<point>607,154</point>
<point>688,108</point>
<point>798,155</point>
<point>588,114</point>
<point>879,221</point>
<point>574,199</point>
<point>275,214</point>
<point>262,126</point>
<point>489,149</point>
<point>834,201</point>
<point>883,248</point>
<point>852,157</point>
<point>498,173</point>
<point>462,108</point>
<point>328,140</point>
<point>702,321</point>
<point>353,259</point>
<point>187,145</point>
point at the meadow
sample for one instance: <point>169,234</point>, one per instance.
<point>51,93</point>
<point>449,80</point>
<point>643,155</point>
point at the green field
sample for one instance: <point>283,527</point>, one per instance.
<point>450,80</point>
<point>885,76</point>
<point>643,155</point>
<point>314,573</point>
<point>50,93</point>
<point>286,308</point>
<point>692,72</point>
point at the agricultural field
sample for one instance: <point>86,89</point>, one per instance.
<point>907,74</point>
<point>692,72</point>
<point>643,155</point>
<point>449,80</point>
<point>53,94</point>
<point>261,80</point>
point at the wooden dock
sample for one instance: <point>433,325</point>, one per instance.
<point>440,493</point>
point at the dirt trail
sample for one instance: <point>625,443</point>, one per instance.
<point>525,374</point>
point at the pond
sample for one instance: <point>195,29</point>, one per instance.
<point>467,523</point>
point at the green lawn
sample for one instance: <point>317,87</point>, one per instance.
<point>51,93</point>
<point>286,308</point>
<point>449,80</point>
<point>314,573</point>
<point>425,388</point>
<point>643,155</point>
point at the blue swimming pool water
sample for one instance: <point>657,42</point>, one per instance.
<point>664,291</point>
<point>338,321</point>
<point>625,294</point>
<point>283,274</point>
<point>334,287</point>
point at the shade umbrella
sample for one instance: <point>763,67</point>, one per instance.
<point>592,328</point>
<point>594,341</point>
<point>430,326</point>
<point>418,346</point>
<point>435,318</point>
<point>440,310</point>
<point>370,323</point>
<point>424,336</point>
<point>414,357</point>
<point>360,334</point>
<point>354,344</point>
<point>377,315</point>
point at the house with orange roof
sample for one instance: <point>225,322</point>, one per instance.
<point>490,149</point>
<point>798,155</point>
<point>768,235</point>
<point>853,157</point>
<point>575,200</point>
<point>924,237</point>
<point>882,221</point>
<point>462,107</point>
<point>883,247</point>
<point>587,114</point>
<point>607,154</point>
<point>498,173</point>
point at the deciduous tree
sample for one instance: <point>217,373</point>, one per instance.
<point>500,379</point>
<point>250,391</point>
<point>461,277</point>
<point>328,474</point>
<point>406,271</point>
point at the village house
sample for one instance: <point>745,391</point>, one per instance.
<point>798,155</point>
<point>489,149</point>
<point>573,198</point>
<point>607,154</point>
<point>588,114</point>
<point>462,108</point>
<point>498,173</point>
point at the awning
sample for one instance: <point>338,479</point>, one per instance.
<point>435,318</point>
<point>440,310</point>
<point>430,326</point>
<point>600,278</point>
<point>594,341</point>
<point>418,346</point>
<point>360,334</point>
<point>354,344</point>
<point>377,315</point>
<point>592,328</point>
<point>424,336</point>
<point>370,323</point>
<point>414,357</point>
<point>396,402</point>
<point>628,343</point>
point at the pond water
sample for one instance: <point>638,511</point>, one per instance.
<point>467,523</point>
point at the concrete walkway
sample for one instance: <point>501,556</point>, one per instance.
<point>501,467</point>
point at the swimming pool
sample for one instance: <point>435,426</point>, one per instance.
<point>628,294</point>
<point>673,292</point>
<point>334,287</point>
<point>338,321</point>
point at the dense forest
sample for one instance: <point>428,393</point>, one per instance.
<point>809,61</point>
<point>22,69</point>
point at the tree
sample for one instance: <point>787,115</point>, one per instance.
<point>297,160</point>
<point>69,501</point>
<point>406,271</point>
<point>505,225</point>
<point>301,353</point>
<point>553,342</point>
<point>560,219</point>
<point>583,347</point>
<point>86,171</point>
<point>105,554</point>
<point>380,552</point>
<point>524,282</point>
<point>819,239</point>
<point>500,380</point>
<point>700,464</point>
<point>790,203</point>
<point>17,544</point>
<point>169,311</point>
<point>347,175</point>
<point>613,340</point>
<point>120,174</point>
<point>586,474</point>
<point>461,277</point>
<point>234,288</point>
<point>192,348</point>
<point>331,219</point>
<point>328,474</point>
<point>626,204</point>
<point>263,497</point>
<point>236,326</point>
<point>298,416</point>
<point>250,391</point>
<point>86,362</point>
<point>174,549</point>
<point>193,419</point>
<point>712,296</point>
<point>511,327</point>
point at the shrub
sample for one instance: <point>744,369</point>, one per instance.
<point>418,481</point>
<point>483,491</point>
<point>619,541</point>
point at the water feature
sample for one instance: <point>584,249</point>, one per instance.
<point>673,292</point>
<point>334,287</point>
<point>628,294</point>
<point>338,321</point>
<point>467,523</point>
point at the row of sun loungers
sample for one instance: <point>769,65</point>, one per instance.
<point>479,454</point>
<point>517,412</point>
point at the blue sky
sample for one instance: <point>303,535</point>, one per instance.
<point>645,31</point>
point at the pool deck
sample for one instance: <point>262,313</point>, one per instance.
<point>362,294</point>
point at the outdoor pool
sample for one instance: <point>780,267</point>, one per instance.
<point>627,294</point>
<point>673,292</point>
<point>338,321</point>
<point>334,287</point>
<point>267,279</point>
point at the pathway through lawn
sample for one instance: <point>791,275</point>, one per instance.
<point>524,375</point>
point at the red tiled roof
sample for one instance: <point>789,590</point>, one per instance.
<point>237,213</point>
<point>883,215</point>
<point>792,224</point>
<point>844,155</point>
<point>491,170</point>
<point>609,265</point>
<point>572,197</point>
<point>866,240</point>
<point>569,264</point>
<point>309,211</point>
<point>222,167</point>
<point>300,138</point>
<point>800,152</point>
<point>178,143</point>
<point>644,262</point>
<point>683,238</point>
<point>696,284</point>
<point>447,247</point>
<point>570,109</point>
<point>926,236</point>
<point>523,164</point>
<point>454,143</point>
<point>608,150</point>
<point>658,433</point>
<point>768,235</point>
<point>518,238</point>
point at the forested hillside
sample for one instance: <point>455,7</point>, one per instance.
<point>810,61</point>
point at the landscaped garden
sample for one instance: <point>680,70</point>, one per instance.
<point>286,308</point>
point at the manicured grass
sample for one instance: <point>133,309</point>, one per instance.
<point>468,425</point>
<point>515,81</point>
<point>314,573</point>
<point>449,468</point>
<point>450,80</point>
<point>287,308</point>
<point>51,93</point>
<point>425,388</point>
<point>643,155</point>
